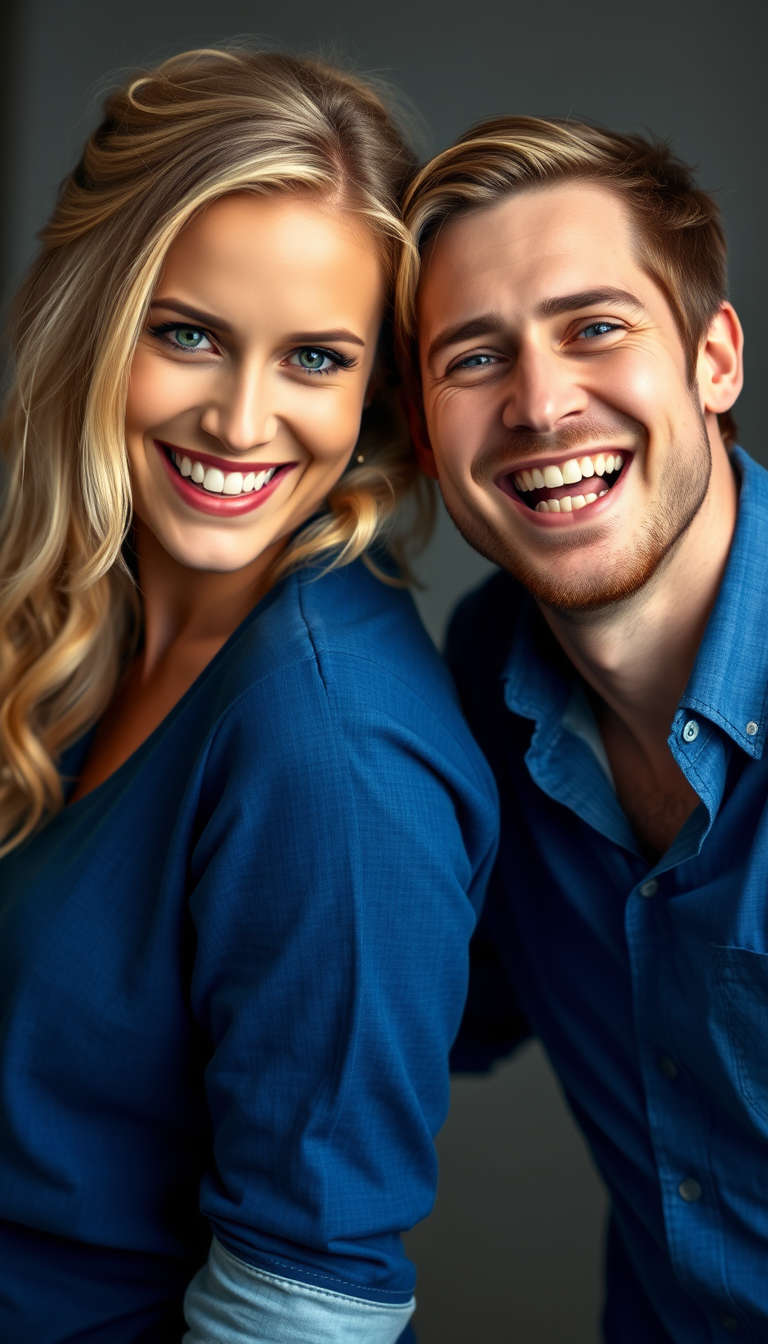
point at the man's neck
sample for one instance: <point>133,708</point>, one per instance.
<point>637,655</point>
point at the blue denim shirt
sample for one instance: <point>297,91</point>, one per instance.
<point>647,985</point>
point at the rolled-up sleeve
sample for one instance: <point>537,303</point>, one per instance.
<point>230,1302</point>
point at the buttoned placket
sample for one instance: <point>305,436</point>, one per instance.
<point>559,762</point>
<point>677,1121</point>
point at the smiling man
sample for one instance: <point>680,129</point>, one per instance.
<point>578,361</point>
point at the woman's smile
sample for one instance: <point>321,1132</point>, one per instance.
<point>248,382</point>
<point>219,487</point>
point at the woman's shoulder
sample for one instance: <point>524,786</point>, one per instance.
<point>343,647</point>
<point>319,617</point>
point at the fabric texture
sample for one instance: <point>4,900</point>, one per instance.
<point>230,977</point>
<point>227,1296</point>
<point>648,986</point>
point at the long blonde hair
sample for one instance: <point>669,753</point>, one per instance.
<point>203,124</point>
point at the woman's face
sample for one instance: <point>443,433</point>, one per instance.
<point>248,382</point>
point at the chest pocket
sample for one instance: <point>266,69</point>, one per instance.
<point>743,979</point>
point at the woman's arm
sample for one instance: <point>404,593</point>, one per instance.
<point>345,839</point>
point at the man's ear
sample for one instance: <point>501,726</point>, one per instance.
<point>721,362</point>
<point>420,436</point>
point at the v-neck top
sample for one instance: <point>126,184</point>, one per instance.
<point>230,975</point>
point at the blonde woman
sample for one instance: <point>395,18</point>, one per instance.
<point>244,829</point>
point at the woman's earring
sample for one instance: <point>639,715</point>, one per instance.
<point>360,457</point>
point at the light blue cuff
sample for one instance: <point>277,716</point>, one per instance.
<point>229,1302</point>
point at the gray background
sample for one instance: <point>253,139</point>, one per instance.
<point>512,1250</point>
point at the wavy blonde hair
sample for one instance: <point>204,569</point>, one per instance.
<point>203,124</point>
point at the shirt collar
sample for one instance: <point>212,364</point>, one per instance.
<point>729,680</point>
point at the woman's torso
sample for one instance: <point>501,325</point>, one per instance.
<point>123,932</point>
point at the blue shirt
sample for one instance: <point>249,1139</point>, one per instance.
<point>230,977</point>
<point>648,986</point>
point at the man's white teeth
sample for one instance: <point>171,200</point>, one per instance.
<point>568,473</point>
<point>568,503</point>
<point>218,482</point>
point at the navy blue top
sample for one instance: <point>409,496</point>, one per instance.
<point>647,985</point>
<point>230,976</point>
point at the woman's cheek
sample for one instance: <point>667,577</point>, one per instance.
<point>335,433</point>
<point>155,392</point>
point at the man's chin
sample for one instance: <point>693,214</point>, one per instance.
<point>589,583</point>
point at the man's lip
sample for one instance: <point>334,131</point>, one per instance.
<point>514,468</point>
<point>224,464</point>
<point>598,506</point>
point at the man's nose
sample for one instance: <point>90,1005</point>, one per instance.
<point>542,390</point>
<point>242,412</point>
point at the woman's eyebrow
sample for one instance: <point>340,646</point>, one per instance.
<point>294,338</point>
<point>196,314</point>
<point>310,337</point>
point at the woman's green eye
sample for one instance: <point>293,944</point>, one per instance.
<point>312,359</point>
<point>189,337</point>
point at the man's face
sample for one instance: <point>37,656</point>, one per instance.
<point>570,447</point>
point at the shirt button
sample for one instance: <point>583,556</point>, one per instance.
<point>649,888</point>
<point>730,1324</point>
<point>752,728</point>
<point>689,1190</point>
<point>691,731</point>
<point>667,1067</point>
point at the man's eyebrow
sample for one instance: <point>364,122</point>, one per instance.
<point>587,298</point>
<point>487,324</point>
<point>196,314</point>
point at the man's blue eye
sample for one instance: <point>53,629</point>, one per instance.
<point>598,329</point>
<point>475,361</point>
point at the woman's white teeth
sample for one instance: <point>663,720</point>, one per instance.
<point>567,473</point>
<point>233,483</point>
<point>218,482</point>
<point>213,480</point>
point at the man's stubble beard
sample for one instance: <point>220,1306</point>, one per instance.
<point>683,488</point>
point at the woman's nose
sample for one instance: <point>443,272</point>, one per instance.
<point>241,413</point>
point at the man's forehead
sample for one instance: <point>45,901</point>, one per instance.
<point>539,244</point>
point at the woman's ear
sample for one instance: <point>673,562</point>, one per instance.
<point>721,362</point>
<point>421,443</point>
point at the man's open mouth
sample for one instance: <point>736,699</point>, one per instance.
<point>565,487</point>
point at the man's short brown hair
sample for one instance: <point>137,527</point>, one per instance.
<point>679,231</point>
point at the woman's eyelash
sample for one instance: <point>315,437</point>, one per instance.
<point>335,356</point>
<point>162,329</point>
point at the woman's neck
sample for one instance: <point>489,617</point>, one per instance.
<point>197,609</point>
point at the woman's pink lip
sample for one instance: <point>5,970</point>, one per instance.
<point>598,505</point>
<point>223,463</point>
<point>227,506</point>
